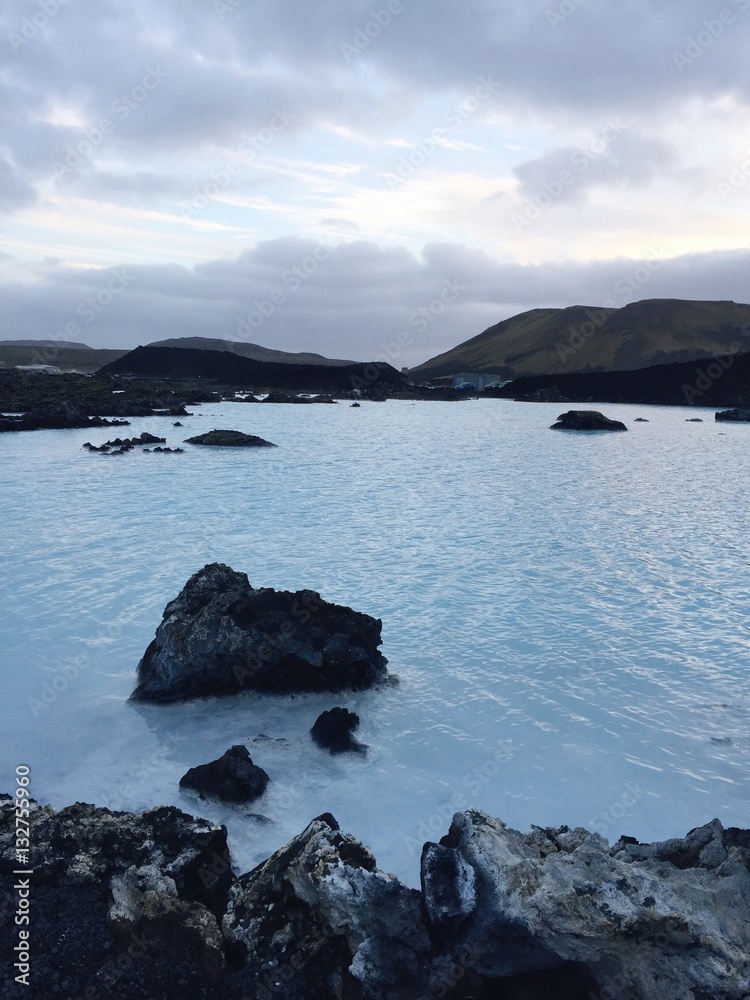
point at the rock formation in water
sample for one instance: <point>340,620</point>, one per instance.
<point>221,636</point>
<point>333,731</point>
<point>146,905</point>
<point>739,414</point>
<point>586,420</point>
<point>232,778</point>
<point>230,439</point>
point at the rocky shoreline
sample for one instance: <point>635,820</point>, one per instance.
<point>147,906</point>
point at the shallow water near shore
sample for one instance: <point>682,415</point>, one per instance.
<point>567,614</point>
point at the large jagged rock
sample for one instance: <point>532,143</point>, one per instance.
<point>664,921</point>
<point>319,920</point>
<point>221,636</point>
<point>586,420</point>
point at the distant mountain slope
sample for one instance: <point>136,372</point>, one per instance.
<point>253,351</point>
<point>231,369</point>
<point>588,338</point>
<point>65,345</point>
<point>80,359</point>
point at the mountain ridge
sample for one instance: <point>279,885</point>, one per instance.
<point>580,338</point>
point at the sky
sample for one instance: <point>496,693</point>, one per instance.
<point>368,180</point>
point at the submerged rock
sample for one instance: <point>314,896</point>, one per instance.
<point>739,414</point>
<point>220,636</point>
<point>231,778</point>
<point>230,439</point>
<point>586,420</point>
<point>333,731</point>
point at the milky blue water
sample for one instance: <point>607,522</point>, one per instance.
<point>568,616</point>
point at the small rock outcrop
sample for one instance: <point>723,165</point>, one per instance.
<point>230,439</point>
<point>586,420</point>
<point>740,414</point>
<point>333,731</point>
<point>641,420</point>
<point>232,778</point>
<point>221,636</point>
<point>549,395</point>
<point>293,397</point>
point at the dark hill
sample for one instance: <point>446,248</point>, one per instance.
<point>231,369</point>
<point>253,351</point>
<point>721,381</point>
<point>587,338</point>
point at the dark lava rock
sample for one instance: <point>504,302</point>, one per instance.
<point>166,451</point>
<point>58,416</point>
<point>124,905</point>
<point>641,420</point>
<point>177,424</point>
<point>586,420</point>
<point>231,778</point>
<point>220,636</point>
<point>549,395</point>
<point>333,731</point>
<point>739,415</point>
<point>693,420</point>
<point>230,439</point>
<point>355,405</point>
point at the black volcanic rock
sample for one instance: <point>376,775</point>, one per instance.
<point>137,906</point>
<point>221,636</point>
<point>718,381</point>
<point>231,369</point>
<point>232,778</point>
<point>230,439</point>
<point>333,731</point>
<point>586,420</point>
<point>737,415</point>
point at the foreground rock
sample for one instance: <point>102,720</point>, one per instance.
<point>220,636</point>
<point>737,415</point>
<point>143,906</point>
<point>586,420</point>
<point>232,778</point>
<point>333,731</point>
<point>123,905</point>
<point>663,921</point>
<point>230,439</point>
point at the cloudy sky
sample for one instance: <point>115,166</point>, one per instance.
<point>364,179</point>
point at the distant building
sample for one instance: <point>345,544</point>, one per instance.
<point>480,381</point>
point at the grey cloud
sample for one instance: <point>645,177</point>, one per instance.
<point>568,173</point>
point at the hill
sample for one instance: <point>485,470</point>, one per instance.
<point>253,351</point>
<point>231,369</point>
<point>68,357</point>
<point>587,338</point>
<point>64,345</point>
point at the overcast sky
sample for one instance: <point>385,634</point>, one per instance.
<point>365,179</point>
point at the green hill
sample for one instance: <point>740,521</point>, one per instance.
<point>253,351</point>
<point>589,338</point>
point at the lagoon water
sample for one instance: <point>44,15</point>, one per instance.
<point>567,614</point>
